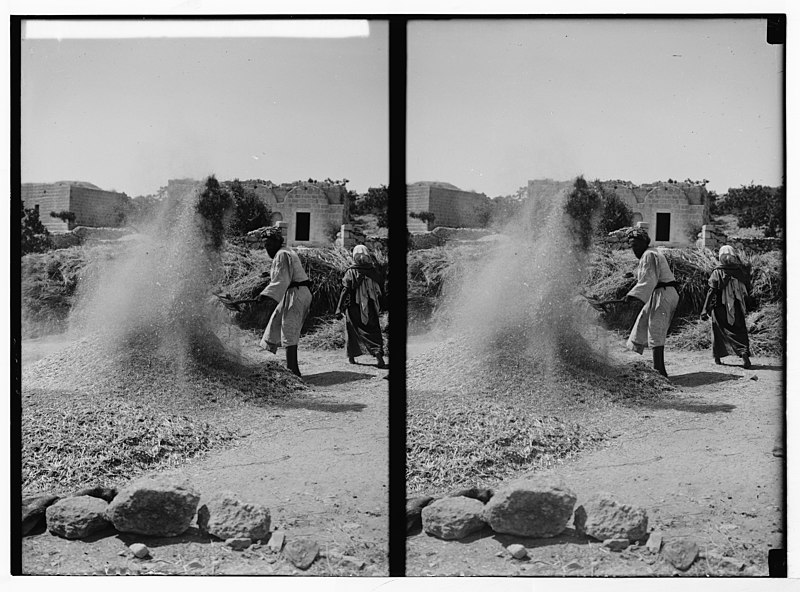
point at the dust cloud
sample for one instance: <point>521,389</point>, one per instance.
<point>156,293</point>
<point>521,297</point>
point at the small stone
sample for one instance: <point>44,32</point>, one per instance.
<point>194,564</point>
<point>517,551</point>
<point>139,550</point>
<point>754,377</point>
<point>500,554</point>
<point>238,543</point>
<point>350,562</point>
<point>301,552</point>
<point>350,526</point>
<point>654,541</point>
<point>616,544</point>
<point>573,565</point>
<point>276,541</point>
<point>680,552</point>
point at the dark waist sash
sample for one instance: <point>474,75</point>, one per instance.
<point>673,283</point>
<point>306,283</point>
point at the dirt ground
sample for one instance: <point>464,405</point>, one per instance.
<point>319,464</point>
<point>701,464</point>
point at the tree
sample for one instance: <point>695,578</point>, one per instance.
<point>214,205</point>
<point>583,206</point>
<point>505,208</point>
<point>756,205</point>
<point>64,216</point>
<point>34,237</point>
<point>249,212</point>
<point>615,213</point>
<point>376,201</point>
<point>427,217</point>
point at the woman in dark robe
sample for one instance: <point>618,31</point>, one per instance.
<point>359,303</point>
<point>729,286</point>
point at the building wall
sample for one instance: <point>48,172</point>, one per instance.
<point>686,203</point>
<point>417,200</point>
<point>452,207</point>
<point>456,208</point>
<point>50,198</point>
<point>545,188</point>
<point>95,207</point>
<point>326,218</point>
<point>92,207</point>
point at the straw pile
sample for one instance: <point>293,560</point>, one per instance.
<point>247,274</point>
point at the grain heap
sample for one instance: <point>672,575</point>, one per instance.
<point>148,342</point>
<point>514,311</point>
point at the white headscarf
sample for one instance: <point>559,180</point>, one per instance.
<point>361,255</point>
<point>728,256</point>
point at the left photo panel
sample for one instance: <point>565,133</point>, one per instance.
<point>203,257</point>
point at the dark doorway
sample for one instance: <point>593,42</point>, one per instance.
<point>303,226</point>
<point>662,227</point>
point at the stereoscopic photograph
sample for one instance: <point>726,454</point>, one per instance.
<point>203,297</point>
<point>595,297</point>
<point>594,240</point>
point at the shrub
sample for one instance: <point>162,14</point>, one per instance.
<point>249,212</point>
<point>34,237</point>
<point>64,216</point>
<point>583,207</point>
<point>214,205</point>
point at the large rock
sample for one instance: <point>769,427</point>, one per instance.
<point>453,517</point>
<point>33,509</point>
<point>226,517</point>
<point>536,507</point>
<point>601,517</point>
<point>77,517</point>
<point>157,507</point>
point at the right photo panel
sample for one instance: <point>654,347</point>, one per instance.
<point>596,297</point>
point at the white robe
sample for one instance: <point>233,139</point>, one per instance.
<point>654,319</point>
<point>293,303</point>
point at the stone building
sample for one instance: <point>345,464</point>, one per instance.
<point>451,206</point>
<point>675,212</point>
<point>91,205</point>
<point>314,211</point>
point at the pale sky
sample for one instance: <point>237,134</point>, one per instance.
<point>493,103</point>
<point>130,114</point>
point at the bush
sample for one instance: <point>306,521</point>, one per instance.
<point>34,237</point>
<point>214,205</point>
<point>249,212</point>
<point>64,216</point>
<point>583,207</point>
<point>756,205</point>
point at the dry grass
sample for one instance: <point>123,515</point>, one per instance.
<point>247,274</point>
<point>328,333</point>
<point>50,281</point>
<point>102,411</point>
<point>765,328</point>
<point>73,439</point>
<point>477,418</point>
